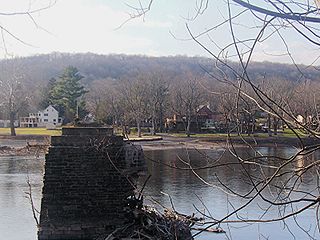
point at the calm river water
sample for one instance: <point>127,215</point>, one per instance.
<point>186,191</point>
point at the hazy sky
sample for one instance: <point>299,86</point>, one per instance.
<point>92,26</point>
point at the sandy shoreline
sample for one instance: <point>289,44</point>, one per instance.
<point>218,143</point>
<point>11,145</point>
<point>162,145</point>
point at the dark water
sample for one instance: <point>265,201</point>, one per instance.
<point>185,189</point>
<point>16,221</point>
<point>188,192</point>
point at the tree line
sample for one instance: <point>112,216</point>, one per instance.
<point>154,93</point>
<point>155,97</point>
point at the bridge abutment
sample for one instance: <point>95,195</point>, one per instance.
<point>86,184</point>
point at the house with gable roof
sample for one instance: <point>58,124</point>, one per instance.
<point>48,118</point>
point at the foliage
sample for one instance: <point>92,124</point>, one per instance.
<point>42,68</point>
<point>46,94</point>
<point>67,92</point>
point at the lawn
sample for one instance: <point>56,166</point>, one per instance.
<point>289,133</point>
<point>32,131</point>
<point>57,132</point>
<point>286,133</point>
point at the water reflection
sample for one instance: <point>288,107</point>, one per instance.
<point>183,186</point>
<point>188,190</point>
<point>16,220</point>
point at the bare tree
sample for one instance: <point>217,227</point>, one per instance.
<point>13,95</point>
<point>99,99</point>
<point>158,88</point>
<point>30,14</point>
<point>14,98</point>
<point>271,19</point>
<point>186,99</point>
<point>134,93</point>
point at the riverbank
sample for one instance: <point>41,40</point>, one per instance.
<point>211,142</point>
<point>167,141</point>
<point>25,137</point>
<point>266,141</point>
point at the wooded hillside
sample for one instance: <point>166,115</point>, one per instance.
<point>39,69</point>
<point>32,75</point>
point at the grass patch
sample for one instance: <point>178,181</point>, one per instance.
<point>286,133</point>
<point>289,133</point>
<point>32,131</point>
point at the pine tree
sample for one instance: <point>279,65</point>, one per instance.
<point>67,92</point>
<point>46,98</point>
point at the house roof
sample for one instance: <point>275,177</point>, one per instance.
<point>204,110</point>
<point>50,106</point>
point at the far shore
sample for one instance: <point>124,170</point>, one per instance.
<point>165,141</point>
<point>170,142</point>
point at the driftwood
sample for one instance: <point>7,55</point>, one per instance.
<point>213,230</point>
<point>148,223</point>
<point>5,148</point>
<point>29,149</point>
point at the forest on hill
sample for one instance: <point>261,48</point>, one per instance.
<point>40,68</point>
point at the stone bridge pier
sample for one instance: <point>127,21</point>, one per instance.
<point>86,183</point>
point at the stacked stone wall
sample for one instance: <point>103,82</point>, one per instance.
<point>85,190</point>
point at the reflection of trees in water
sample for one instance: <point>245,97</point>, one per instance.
<point>283,183</point>
<point>14,171</point>
<point>213,185</point>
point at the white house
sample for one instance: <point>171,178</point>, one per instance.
<point>48,118</point>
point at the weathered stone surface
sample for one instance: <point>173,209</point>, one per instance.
<point>85,131</point>
<point>85,185</point>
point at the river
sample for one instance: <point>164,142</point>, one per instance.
<point>187,191</point>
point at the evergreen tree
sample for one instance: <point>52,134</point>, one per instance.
<point>67,92</point>
<point>46,98</point>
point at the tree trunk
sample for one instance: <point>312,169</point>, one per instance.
<point>161,119</point>
<point>153,129</point>
<point>275,126</point>
<point>253,126</point>
<point>188,127</point>
<point>269,125</point>
<point>153,121</point>
<point>124,130</point>
<point>240,127</point>
<point>12,129</point>
<point>249,125</point>
<point>139,127</point>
